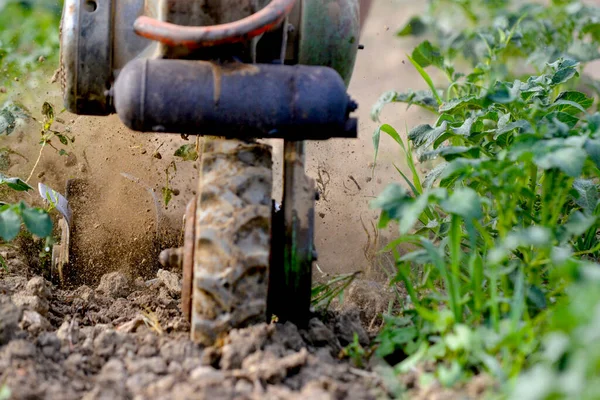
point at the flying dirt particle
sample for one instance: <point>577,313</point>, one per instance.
<point>2,89</point>
<point>175,192</point>
<point>16,79</point>
<point>41,59</point>
<point>322,214</point>
<point>41,174</point>
<point>144,151</point>
<point>369,179</point>
<point>82,168</point>
<point>157,155</point>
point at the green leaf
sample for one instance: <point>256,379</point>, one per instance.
<point>415,27</point>
<point>63,139</point>
<point>423,136</point>
<point>14,183</point>
<point>10,223</point>
<point>426,78</point>
<point>572,102</point>
<point>450,153</point>
<point>37,221</point>
<point>592,148</point>
<point>578,223</point>
<point>187,152</point>
<point>464,202</point>
<point>565,69</point>
<point>427,54</point>
<point>167,194</point>
<point>422,98</point>
<point>434,175</point>
<point>587,195</point>
<point>410,213</point>
<point>465,128</point>
<point>569,160</point>
<point>460,103</point>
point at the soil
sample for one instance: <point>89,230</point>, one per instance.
<point>128,339</point>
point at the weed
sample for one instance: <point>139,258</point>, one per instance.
<point>356,353</point>
<point>323,294</point>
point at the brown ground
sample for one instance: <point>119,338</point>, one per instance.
<point>127,339</point>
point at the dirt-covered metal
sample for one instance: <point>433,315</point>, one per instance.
<point>232,238</point>
<point>234,100</point>
<point>191,37</point>
<point>291,272</point>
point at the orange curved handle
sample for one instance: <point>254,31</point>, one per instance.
<point>194,37</point>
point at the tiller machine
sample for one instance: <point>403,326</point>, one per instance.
<point>232,71</point>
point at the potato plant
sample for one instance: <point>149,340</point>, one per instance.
<point>503,276</point>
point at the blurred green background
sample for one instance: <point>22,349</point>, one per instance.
<point>28,41</point>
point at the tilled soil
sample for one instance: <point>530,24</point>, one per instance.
<point>128,339</point>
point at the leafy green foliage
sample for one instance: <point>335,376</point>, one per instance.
<point>37,221</point>
<point>508,216</point>
<point>28,38</point>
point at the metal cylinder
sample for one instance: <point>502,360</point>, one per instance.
<point>234,100</point>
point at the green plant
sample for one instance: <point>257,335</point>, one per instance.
<point>511,204</point>
<point>323,294</point>
<point>356,353</point>
<point>37,221</point>
<point>28,39</point>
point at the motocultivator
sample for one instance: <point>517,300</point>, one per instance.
<point>232,71</point>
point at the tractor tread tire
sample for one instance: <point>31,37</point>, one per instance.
<point>232,238</point>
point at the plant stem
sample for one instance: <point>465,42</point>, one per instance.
<point>455,255</point>
<point>36,162</point>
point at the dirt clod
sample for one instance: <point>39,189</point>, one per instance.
<point>31,302</point>
<point>171,281</point>
<point>34,322</point>
<point>115,285</point>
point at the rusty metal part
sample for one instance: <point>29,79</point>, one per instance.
<point>189,242</point>
<point>243,30</point>
<point>60,252</point>
<point>291,274</point>
<point>234,100</point>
